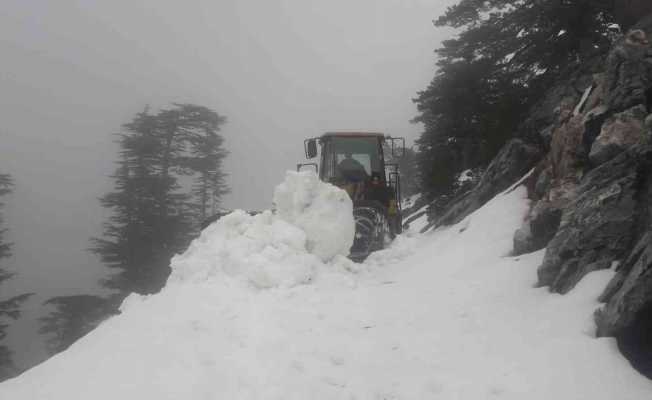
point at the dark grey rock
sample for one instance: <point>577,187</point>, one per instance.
<point>598,226</point>
<point>523,240</point>
<point>538,229</point>
<point>631,289</point>
<point>593,121</point>
<point>546,135</point>
<point>567,154</point>
<point>543,183</point>
<point>628,73</point>
<point>544,223</point>
<point>628,292</point>
<point>617,133</point>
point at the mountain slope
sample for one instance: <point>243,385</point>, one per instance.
<point>250,314</point>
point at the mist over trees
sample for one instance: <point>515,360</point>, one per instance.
<point>505,55</point>
<point>168,180</point>
<point>72,318</point>
<point>9,307</point>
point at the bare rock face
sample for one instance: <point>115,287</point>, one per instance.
<point>538,229</point>
<point>619,132</point>
<point>627,314</point>
<point>629,72</point>
<point>556,177</point>
<point>566,151</point>
<point>629,292</point>
<point>597,227</point>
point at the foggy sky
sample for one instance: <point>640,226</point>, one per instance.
<point>280,71</point>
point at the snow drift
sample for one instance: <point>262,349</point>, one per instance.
<point>312,225</point>
<point>267,307</point>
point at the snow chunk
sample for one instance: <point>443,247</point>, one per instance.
<point>322,211</point>
<point>313,224</point>
<point>465,176</point>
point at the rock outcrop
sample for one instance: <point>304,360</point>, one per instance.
<point>602,189</point>
<point>595,180</point>
<point>619,132</point>
<point>588,145</point>
<point>628,69</point>
<point>597,225</point>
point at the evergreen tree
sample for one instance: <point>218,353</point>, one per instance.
<point>199,127</point>
<point>72,318</point>
<point>9,308</point>
<point>155,211</point>
<point>489,75</point>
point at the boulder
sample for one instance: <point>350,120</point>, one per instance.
<point>631,289</point>
<point>598,224</point>
<point>628,292</point>
<point>619,132</point>
<point>538,229</point>
<point>628,72</point>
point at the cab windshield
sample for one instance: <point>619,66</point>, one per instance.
<point>350,158</point>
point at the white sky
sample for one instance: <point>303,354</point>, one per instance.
<point>279,70</point>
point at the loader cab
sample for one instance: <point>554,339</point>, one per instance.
<point>350,159</point>
<point>354,158</point>
<point>355,162</point>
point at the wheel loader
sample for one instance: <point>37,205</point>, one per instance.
<point>355,162</point>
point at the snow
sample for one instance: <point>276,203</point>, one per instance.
<point>257,309</point>
<point>410,201</point>
<point>580,104</point>
<point>323,211</point>
<point>465,176</point>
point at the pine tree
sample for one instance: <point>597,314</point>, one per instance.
<point>198,128</point>
<point>9,308</point>
<point>506,55</point>
<point>72,318</point>
<point>156,210</point>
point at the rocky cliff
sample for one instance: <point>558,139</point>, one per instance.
<point>588,147</point>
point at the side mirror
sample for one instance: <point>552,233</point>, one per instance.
<point>310,147</point>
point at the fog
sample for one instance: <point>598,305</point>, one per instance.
<point>280,71</point>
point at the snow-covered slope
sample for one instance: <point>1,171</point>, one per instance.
<point>266,307</point>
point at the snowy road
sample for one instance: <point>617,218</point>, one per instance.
<point>446,315</point>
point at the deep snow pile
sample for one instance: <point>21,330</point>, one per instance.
<point>256,309</point>
<point>312,225</point>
